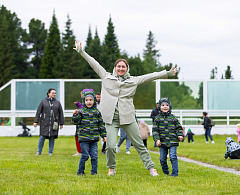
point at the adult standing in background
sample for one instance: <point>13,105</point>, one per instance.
<point>118,89</point>
<point>154,112</point>
<point>51,113</point>
<point>207,127</point>
<point>123,136</point>
<point>144,131</point>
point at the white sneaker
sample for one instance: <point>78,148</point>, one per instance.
<point>213,142</point>
<point>128,152</point>
<point>193,142</point>
<point>207,142</point>
<point>117,149</point>
<point>111,172</point>
<point>77,154</point>
<point>38,154</point>
<point>153,172</point>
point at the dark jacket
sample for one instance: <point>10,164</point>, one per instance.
<point>233,149</point>
<point>206,123</point>
<point>46,123</point>
<point>154,113</point>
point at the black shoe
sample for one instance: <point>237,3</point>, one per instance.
<point>80,174</point>
<point>174,175</point>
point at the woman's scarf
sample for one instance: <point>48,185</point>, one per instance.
<point>122,78</point>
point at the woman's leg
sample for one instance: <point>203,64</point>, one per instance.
<point>112,132</point>
<point>122,137</point>
<point>206,135</point>
<point>209,134</point>
<point>134,136</point>
<point>41,143</point>
<point>128,144</point>
<point>51,144</point>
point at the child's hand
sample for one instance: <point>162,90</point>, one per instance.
<point>75,112</point>
<point>104,139</point>
<point>180,138</point>
<point>158,143</point>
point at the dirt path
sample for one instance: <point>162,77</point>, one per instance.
<point>229,170</point>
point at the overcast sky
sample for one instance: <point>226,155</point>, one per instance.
<point>195,35</point>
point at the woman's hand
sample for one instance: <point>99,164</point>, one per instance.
<point>75,112</point>
<point>174,70</point>
<point>158,143</point>
<point>77,45</point>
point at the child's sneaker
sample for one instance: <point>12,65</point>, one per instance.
<point>128,152</point>
<point>111,172</point>
<point>207,142</point>
<point>213,142</point>
<point>117,149</point>
<point>153,172</point>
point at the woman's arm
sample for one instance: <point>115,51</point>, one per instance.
<point>155,75</point>
<point>101,72</point>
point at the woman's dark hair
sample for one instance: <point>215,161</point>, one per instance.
<point>49,90</point>
<point>121,60</point>
<point>204,113</point>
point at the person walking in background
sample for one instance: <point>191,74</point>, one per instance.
<point>238,132</point>
<point>90,125</point>
<point>144,131</point>
<point>190,135</point>
<point>207,127</point>
<point>51,113</point>
<point>123,136</point>
<point>167,132</point>
<point>117,108</point>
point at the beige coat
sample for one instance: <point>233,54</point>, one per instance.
<point>114,91</point>
<point>144,130</point>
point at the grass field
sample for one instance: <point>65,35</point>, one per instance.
<point>22,172</point>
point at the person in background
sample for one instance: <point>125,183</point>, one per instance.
<point>233,149</point>
<point>154,112</point>
<point>144,131</point>
<point>167,132</point>
<point>98,97</point>
<point>190,135</point>
<point>50,110</point>
<point>90,125</point>
<point>123,136</point>
<point>238,132</point>
<point>207,127</point>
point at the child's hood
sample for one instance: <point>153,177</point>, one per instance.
<point>228,141</point>
<point>87,92</point>
<point>167,100</point>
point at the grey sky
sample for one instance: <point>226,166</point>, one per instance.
<point>195,35</point>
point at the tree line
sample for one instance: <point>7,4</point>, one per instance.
<point>43,53</point>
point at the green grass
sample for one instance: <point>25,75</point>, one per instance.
<point>21,172</point>
<point>209,153</point>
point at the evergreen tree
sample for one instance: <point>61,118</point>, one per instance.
<point>228,73</point>
<point>72,61</point>
<point>136,66</point>
<point>111,47</point>
<point>6,54</point>
<point>51,61</point>
<point>37,38</point>
<point>213,73</point>
<point>150,47</point>
<point>95,47</point>
<point>17,46</point>
<point>89,39</point>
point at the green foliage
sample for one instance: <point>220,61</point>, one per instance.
<point>111,47</point>
<point>213,73</point>
<point>24,173</point>
<point>51,62</point>
<point>89,39</point>
<point>37,38</point>
<point>228,73</point>
<point>71,60</point>
<point>180,95</point>
<point>150,47</point>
